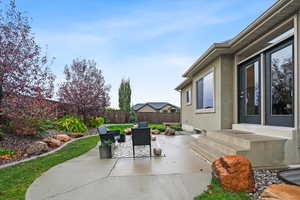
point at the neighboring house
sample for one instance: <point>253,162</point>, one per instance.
<point>162,107</point>
<point>249,83</point>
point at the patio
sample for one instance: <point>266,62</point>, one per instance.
<point>180,174</point>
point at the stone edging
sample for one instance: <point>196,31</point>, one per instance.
<point>45,154</point>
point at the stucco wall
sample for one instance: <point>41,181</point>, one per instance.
<point>167,108</point>
<point>191,118</point>
<point>221,117</point>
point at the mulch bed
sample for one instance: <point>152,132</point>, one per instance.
<point>19,144</point>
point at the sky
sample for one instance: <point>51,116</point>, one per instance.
<point>152,42</point>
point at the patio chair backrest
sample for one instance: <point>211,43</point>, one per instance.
<point>141,136</point>
<point>102,130</point>
<point>142,124</point>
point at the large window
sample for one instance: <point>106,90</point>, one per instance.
<point>205,92</point>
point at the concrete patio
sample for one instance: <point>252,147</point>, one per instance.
<point>180,175</point>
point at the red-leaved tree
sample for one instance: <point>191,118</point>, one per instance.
<point>84,88</point>
<point>25,79</point>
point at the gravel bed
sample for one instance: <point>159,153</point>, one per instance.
<point>264,178</point>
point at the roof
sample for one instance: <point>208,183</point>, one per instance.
<point>154,105</point>
<point>280,10</point>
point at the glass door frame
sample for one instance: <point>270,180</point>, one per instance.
<point>270,119</point>
<point>243,117</point>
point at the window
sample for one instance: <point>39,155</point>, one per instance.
<point>205,92</point>
<point>188,94</point>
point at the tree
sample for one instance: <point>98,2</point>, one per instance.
<point>23,70</point>
<point>125,95</point>
<point>84,87</point>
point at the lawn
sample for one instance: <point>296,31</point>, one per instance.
<point>15,180</point>
<point>216,192</point>
<point>160,127</point>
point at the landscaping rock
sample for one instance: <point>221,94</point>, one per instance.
<point>155,132</point>
<point>63,137</point>
<point>76,135</point>
<point>153,138</point>
<point>37,148</point>
<point>157,151</point>
<point>235,173</point>
<point>169,132</point>
<point>127,131</point>
<point>281,192</point>
<point>53,142</point>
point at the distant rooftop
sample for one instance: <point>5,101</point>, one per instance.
<point>154,105</point>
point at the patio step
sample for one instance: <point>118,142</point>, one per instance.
<point>222,146</point>
<point>262,151</point>
<point>206,151</point>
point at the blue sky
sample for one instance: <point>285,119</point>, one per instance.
<point>152,42</point>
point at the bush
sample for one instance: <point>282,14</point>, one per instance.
<point>159,127</point>
<point>176,127</point>
<point>132,117</point>
<point>71,124</point>
<point>43,125</point>
<point>96,122</point>
<point>9,152</point>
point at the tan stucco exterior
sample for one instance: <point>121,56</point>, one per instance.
<point>224,58</point>
<point>220,117</point>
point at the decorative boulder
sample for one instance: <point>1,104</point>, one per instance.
<point>155,132</point>
<point>281,192</point>
<point>63,137</point>
<point>76,135</point>
<point>127,131</point>
<point>235,173</point>
<point>53,142</point>
<point>153,138</point>
<point>37,148</point>
<point>169,132</point>
<point>157,151</point>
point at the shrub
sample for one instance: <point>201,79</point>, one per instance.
<point>159,127</point>
<point>71,124</point>
<point>9,152</point>
<point>132,116</point>
<point>176,127</point>
<point>96,122</point>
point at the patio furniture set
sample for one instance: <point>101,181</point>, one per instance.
<point>141,136</point>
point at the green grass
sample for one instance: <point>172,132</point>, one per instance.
<point>160,127</point>
<point>216,192</point>
<point>119,127</point>
<point>15,180</point>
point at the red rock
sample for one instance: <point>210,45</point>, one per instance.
<point>235,173</point>
<point>281,192</point>
<point>169,132</point>
<point>63,137</point>
<point>76,135</point>
<point>53,142</point>
<point>155,132</point>
<point>127,131</point>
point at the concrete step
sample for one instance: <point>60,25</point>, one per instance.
<point>222,146</point>
<point>206,151</point>
<point>231,137</point>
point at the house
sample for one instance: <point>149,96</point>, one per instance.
<point>243,94</point>
<point>162,107</point>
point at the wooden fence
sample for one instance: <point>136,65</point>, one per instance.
<point>120,117</point>
<point>156,117</point>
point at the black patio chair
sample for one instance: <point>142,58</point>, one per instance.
<point>141,137</point>
<point>142,124</point>
<point>106,134</point>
